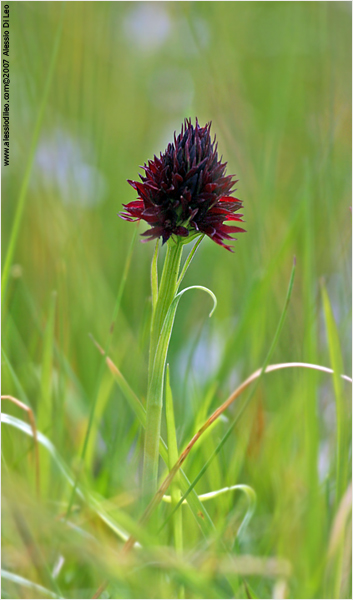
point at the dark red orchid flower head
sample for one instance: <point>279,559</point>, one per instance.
<point>186,192</point>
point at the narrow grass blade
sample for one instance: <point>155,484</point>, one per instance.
<point>163,344</point>
<point>211,495</point>
<point>44,409</point>
<point>155,393</point>
<point>20,391</point>
<point>102,400</point>
<point>205,523</point>
<point>101,366</point>
<point>33,549</point>
<point>342,432</point>
<point>249,591</point>
<point>32,422</point>
<point>246,489</point>
<point>58,352</point>
<point>134,402</point>
<point>340,522</point>
<point>172,458</point>
<point>341,417</point>
<point>26,583</point>
<point>121,287</point>
<point>339,555</point>
<point>121,530</point>
<point>160,493</point>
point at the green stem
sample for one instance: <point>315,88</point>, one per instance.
<point>167,290</point>
<point>189,259</point>
<point>166,293</point>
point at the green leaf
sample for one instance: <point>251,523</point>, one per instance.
<point>44,407</point>
<point>155,393</point>
<point>19,389</point>
<point>341,417</point>
<point>249,591</point>
<point>267,359</point>
<point>206,525</point>
<point>122,527</point>
<point>171,433</point>
<point>163,344</point>
<point>172,458</point>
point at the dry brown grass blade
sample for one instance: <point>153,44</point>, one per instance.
<point>339,554</point>
<point>340,522</point>
<point>32,423</point>
<point>112,366</point>
<point>280,590</point>
<point>109,362</point>
<point>100,590</point>
<point>166,483</point>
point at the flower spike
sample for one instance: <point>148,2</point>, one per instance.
<point>186,191</point>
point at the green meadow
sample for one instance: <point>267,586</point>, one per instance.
<point>96,89</point>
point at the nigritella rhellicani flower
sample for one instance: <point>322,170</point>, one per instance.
<point>186,192</point>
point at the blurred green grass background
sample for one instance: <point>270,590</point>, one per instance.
<point>275,79</point>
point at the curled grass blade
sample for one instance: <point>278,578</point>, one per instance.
<point>206,525</point>
<point>160,493</point>
<point>246,489</point>
<point>89,499</point>
<point>163,343</point>
<point>26,583</point>
<point>32,422</point>
<point>155,391</point>
<point>214,494</point>
<point>255,376</point>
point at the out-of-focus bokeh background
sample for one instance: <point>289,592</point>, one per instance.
<point>275,80</point>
